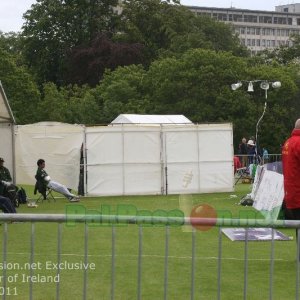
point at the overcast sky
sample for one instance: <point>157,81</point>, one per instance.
<point>11,11</point>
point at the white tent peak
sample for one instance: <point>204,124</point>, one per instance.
<point>150,119</point>
<point>6,115</point>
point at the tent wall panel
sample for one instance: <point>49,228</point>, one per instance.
<point>142,147</point>
<point>59,144</point>
<point>216,177</point>
<point>142,179</point>
<point>105,180</point>
<point>104,147</point>
<point>7,146</point>
<point>123,160</point>
<point>213,145</point>
<point>183,178</point>
<point>137,159</point>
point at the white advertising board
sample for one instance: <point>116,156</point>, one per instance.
<point>269,194</point>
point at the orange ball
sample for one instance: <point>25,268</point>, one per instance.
<point>203,211</point>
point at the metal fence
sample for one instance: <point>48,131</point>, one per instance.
<point>246,160</point>
<point>166,222</point>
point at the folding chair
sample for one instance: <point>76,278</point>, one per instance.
<point>242,173</point>
<point>45,192</point>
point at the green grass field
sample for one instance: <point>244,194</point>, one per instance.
<point>126,259</point>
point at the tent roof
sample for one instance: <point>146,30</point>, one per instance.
<point>6,115</point>
<point>151,119</point>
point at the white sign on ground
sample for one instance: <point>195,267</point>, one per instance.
<point>254,234</point>
<point>268,197</point>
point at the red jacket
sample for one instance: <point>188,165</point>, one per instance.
<point>236,163</point>
<point>291,170</point>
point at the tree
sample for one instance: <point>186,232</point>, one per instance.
<point>87,64</point>
<point>171,29</point>
<point>122,91</point>
<point>71,104</point>
<point>53,27</point>
<point>21,90</point>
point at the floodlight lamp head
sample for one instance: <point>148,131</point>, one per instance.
<point>250,87</point>
<point>235,86</point>
<point>276,84</point>
<point>264,85</point>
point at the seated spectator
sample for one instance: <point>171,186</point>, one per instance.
<point>6,206</point>
<point>4,176</point>
<point>43,178</point>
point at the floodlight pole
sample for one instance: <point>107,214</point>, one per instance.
<point>257,127</point>
<point>264,84</point>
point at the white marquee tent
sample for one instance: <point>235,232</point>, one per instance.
<point>130,159</point>
<point>7,122</point>
<point>166,159</point>
<point>150,119</point>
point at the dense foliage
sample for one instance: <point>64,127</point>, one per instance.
<point>79,61</point>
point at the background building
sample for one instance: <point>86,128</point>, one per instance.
<point>258,30</point>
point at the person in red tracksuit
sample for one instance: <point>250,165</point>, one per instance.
<point>291,174</point>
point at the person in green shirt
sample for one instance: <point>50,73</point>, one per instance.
<point>46,182</point>
<point>5,177</point>
<point>4,172</point>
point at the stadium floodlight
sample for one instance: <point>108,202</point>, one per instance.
<point>276,84</point>
<point>236,86</point>
<point>250,87</point>
<point>264,85</point>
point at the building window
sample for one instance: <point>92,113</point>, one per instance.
<point>257,42</point>
<point>253,42</point>
<point>263,43</point>
<point>257,31</point>
<point>237,18</point>
<point>265,19</point>
<point>250,18</point>
<point>248,42</point>
<point>242,30</point>
<point>280,20</point>
<point>248,30</point>
<point>222,17</point>
<point>286,9</point>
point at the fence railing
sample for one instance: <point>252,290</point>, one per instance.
<point>246,160</point>
<point>142,221</point>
